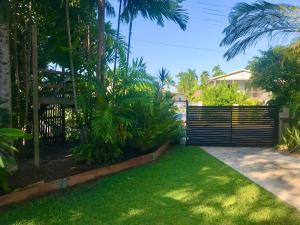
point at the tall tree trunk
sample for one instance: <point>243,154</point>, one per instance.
<point>26,72</point>
<point>82,136</point>
<point>117,43</point>
<point>35,95</point>
<point>16,106</point>
<point>88,44</point>
<point>5,76</point>
<point>101,41</point>
<point>15,44</point>
<point>129,43</point>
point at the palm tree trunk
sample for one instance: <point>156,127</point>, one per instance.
<point>129,43</point>
<point>15,44</point>
<point>101,41</point>
<point>88,44</point>
<point>82,136</point>
<point>26,71</point>
<point>5,76</point>
<point>117,44</point>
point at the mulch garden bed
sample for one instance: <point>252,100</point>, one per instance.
<point>56,162</point>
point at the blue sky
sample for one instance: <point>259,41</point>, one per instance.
<point>197,47</point>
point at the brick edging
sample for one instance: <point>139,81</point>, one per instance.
<point>42,188</point>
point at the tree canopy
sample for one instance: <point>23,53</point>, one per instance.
<point>223,94</point>
<point>277,70</point>
<point>217,71</point>
<point>204,76</point>
<point>188,83</point>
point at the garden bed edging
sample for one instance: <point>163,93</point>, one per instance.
<point>41,188</point>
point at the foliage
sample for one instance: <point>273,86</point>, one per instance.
<point>106,112</point>
<point>204,77</point>
<point>217,71</point>
<point>157,10</point>
<point>277,71</point>
<point>248,23</point>
<point>295,109</point>
<point>292,139</point>
<point>135,115</point>
<point>156,122</point>
<point>165,192</point>
<point>7,152</point>
<point>222,94</point>
<point>165,79</point>
<point>188,83</point>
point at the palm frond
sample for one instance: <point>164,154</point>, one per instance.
<point>110,11</point>
<point>248,23</point>
<point>156,10</point>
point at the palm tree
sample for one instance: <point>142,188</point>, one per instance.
<point>117,42</point>
<point>165,78</point>
<point>248,23</point>
<point>101,41</point>
<point>5,76</point>
<point>102,7</point>
<point>157,10</point>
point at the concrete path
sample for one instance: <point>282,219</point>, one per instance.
<point>278,173</point>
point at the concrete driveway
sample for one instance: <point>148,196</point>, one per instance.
<point>278,173</point>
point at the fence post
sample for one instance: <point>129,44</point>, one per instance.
<point>231,109</point>
<point>283,122</point>
<point>186,122</point>
<point>35,97</point>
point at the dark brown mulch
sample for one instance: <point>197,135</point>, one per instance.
<point>48,171</point>
<point>56,162</point>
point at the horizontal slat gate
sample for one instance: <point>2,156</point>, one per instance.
<point>232,125</point>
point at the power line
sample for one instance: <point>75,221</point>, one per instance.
<point>220,21</point>
<point>214,14</point>
<point>178,46</point>
<point>214,5</point>
<point>213,10</point>
<point>212,20</point>
<point>181,46</point>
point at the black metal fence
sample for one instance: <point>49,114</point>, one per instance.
<point>52,124</point>
<point>232,125</point>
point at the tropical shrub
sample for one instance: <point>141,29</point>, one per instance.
<point>292,139</point>
<point>132,114</point>
<point>223,94</point>
<point>156,122</point>
<point>7,153</point>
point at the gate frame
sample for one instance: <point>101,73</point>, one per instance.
<point>275,118</point>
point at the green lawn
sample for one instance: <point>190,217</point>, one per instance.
<point>185,187</point>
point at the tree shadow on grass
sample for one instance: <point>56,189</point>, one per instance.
<point>187,186</point>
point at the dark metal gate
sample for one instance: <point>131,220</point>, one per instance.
<point>52,124</point>
<point>232,125</point>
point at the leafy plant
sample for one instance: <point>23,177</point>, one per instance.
<point>134,115</point>
<point>277,71</point>
<point>188,83</point>
<point>292,139</point>
<point>7,152</point>
<point>217,71</point>
<point>223,94</point>
<point>156,122</point>
<point>249,23</point>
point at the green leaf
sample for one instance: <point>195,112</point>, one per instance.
<point>1,162</point>
<point>14,133</point>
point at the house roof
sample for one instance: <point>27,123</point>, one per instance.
<point>223,77</point>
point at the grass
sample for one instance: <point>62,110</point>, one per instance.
<point>186,186</point>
